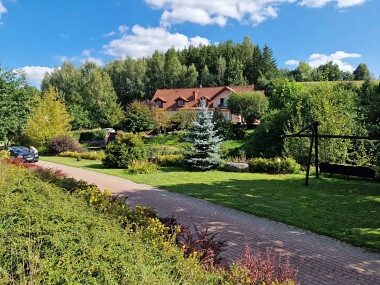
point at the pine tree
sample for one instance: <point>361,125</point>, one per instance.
<point>206,141</point>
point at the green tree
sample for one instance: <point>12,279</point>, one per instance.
<point>208,80</point>
<point>173,69</point>
<point>221,67</point>
<point>161,118</point>
<point>155,73</point>
<point>250,105</point>
<point>206,142</point>
<point>302,72</point>
<point>362,72</point>
<point>137,118</point>
<point>50,119</point>
<point>236,73</point>
<point>15,104</point>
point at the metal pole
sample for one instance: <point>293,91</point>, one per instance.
<point>316,149</point>
<point>309,160</point>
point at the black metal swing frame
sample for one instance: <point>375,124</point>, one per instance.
<point>330,168</point>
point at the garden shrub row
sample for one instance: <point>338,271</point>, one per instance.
<point>63,144</point>
<point>84,155</point>
<point>275,165</point>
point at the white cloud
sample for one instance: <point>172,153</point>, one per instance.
<point>35,74</point>
<point>144,41</point>
<point>292,62</point>
<point>63,58</point>
<point>317,59</point>
<point>96,60</point>
<point>219,12</point>
<point>339,3</point>
<point>122,29</point>
<point>86,52</point>
<point>110,34</point>
<point>3,10</point>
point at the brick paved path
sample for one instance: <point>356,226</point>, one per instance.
<point>326,261</point>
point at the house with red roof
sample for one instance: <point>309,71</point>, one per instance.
<point>189,98</point>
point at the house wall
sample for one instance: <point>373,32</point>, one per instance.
<point>224,94</point>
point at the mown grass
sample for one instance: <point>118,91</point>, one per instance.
<point>48,236</point>
<point>348,210</point>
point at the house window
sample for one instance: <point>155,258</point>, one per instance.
<point>159,103</point>
<point>180,103</point>
<point>222,103</point>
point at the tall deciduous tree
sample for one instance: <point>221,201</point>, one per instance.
<point>362,72</point>
<point>161,118</point>
<point>236,73</point>
<point>221,67</point>
<point>50,119</point>
<point>15,103</point>
<point>137,118</point>
<point>250,105</point>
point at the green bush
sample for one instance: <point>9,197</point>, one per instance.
<point>142,167</point>
<point>126,148</point>
<point>275,165</point>
<point>84,155</point>
<point>170,160</point>
<point>4,154</point>
<point>92,135</point>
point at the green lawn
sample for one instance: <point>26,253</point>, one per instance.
<point>348,210</point>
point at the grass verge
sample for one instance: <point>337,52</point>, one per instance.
<point>348,210</point>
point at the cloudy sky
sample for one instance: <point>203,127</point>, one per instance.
<point>37,35</point>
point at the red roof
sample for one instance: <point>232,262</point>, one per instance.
<point>192,95</point>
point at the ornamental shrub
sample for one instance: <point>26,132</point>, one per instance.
<point>258,268</point>
<point>63,144</point>
<point>142,167</point>
<point>170,160</point>
<point>126,148</point>
<point>275,165</point>
<point>84,155</point>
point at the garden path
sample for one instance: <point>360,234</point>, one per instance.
<point>325,260</point>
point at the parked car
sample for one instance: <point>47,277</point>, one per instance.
<point>24,153</point>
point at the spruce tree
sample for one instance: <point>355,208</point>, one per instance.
<point>206,142</point>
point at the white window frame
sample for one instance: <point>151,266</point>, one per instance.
<point>159,103</point>
<point>180,103</point>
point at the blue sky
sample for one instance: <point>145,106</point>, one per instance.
<point>37,35</point>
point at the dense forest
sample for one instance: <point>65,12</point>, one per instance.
<point>94,94</point>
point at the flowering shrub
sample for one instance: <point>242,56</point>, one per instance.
<point>274,165</point>
<point>142,167</point>
<point>170,160</point>
<point>84,155</point>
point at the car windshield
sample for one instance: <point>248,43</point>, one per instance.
<point>20,148</point>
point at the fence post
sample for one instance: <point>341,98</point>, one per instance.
<point>316,149</point>
<point>309,160</point>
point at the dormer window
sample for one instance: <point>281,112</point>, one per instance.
<point>159,103</point>
<point>180,103</point>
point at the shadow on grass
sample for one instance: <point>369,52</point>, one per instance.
<point>347,210</point>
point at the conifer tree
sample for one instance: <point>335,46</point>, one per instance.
<point>206,142</point>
